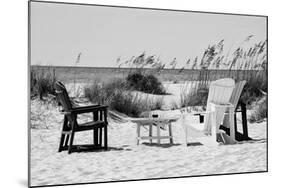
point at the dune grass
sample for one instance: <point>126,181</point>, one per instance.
<point>248,64</point>
<point>42,82</point>
<point>118,96</point>
<point>145,83</point>
<point>259,110</point>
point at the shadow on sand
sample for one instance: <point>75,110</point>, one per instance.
<point>194,144</point>
<point>252,141</point>
<point>160,145</point>
<point>84,149</point>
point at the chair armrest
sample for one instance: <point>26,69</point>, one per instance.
<point>90,106</point>
<point>87,109</point>
<point>229,105</point>
<point>199,113</point>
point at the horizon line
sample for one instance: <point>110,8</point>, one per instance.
<point>147,68</point>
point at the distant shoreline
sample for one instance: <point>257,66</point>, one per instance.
<point>128,68</point>
<point>88,74</point>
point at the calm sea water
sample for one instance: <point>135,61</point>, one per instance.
<point>90,74</point>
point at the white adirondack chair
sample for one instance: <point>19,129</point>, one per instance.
<point>220,92</point>
<point>235,96</point>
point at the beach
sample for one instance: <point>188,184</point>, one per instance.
<point>125,160</point>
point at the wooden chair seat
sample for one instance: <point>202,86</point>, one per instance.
<point>90,125</point>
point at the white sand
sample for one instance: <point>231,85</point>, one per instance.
<point>125,160</point>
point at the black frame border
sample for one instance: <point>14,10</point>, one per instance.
<point>140,8</point>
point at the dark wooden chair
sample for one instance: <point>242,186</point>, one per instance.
<point>71,125</point>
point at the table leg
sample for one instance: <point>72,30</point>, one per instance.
<point>158,133</point>
<point>138,133</point>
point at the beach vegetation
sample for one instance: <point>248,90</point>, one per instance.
<point>145,83</point>
<point>42,82</point>
<point>259,111</point>
<point>248,64</point>
<point>118,96</point>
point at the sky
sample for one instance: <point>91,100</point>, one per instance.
<point>59,32</point>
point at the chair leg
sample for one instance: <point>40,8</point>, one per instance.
<point>235,124</point>
<point>65,121</point>
<point>61,142</point>
<point>213,127</point>
<point>66,141</point>
<point>201,118</point>
<point>95,136</point>
<point>244,120</point>
<point>231,123</point>
<point>170,133</point>
<point>95,130</point>
<point>100,137</point>
<point>105,137</point>
<point>150,133</point>
<point>71,141</point>
<point>138,134</point>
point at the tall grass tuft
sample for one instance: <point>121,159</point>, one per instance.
<point>193,96</point>
<point>145,83</point>
<point>128,103</point>
<point>117,96</point>
<point>243,64</point>
<point>42,82</point>
<point>74,80</point>
<point>259,111</point>
<point>139,78</point>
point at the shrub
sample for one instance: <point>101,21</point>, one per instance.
<point>145,83</point>
<point>254,88</point>
<point>94,93</point>
<point>42,82</point>
<point>156,104</point>
<point>134,80</point>
<point>116,95</point>
<point>127,103</point>
<point>259,111</point>
<point>101,93</point>
<point>132,104</point>
<point>194,97</point>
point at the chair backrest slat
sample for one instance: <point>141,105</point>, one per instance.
<point>219,93</point>
<point>237,93</point>
<point>63,96</point>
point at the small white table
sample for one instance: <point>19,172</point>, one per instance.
<point>158,122</point>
